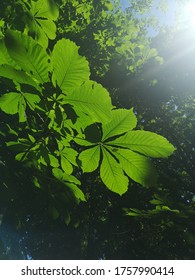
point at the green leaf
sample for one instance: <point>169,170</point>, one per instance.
<point>156,202</point>
<point>70,179</point>
<point>21,109</point>
<point>40,20</point>
<point>18,146</point>
<point>77,192</point>
<point>4,56</point>
<point>68,157</point>
<point>90,159</point>
<point>2,23</point>
<point>83,142</point>
<point>15,102</point>
<point>18,76</point>
<point>60,175</point>
<point>145,142</point>
<point>66,165</point>
<point>28,54</point>
<point>9,102</point>
<point>31,100</point>
<point>69,68</point>
<point>133,212</point>
<point>122,120</point>
<point>92,99</point>
<point>70,154</point>
<point>47,9</point>
<point>53,160</point>
<point>112,174</point>
<point>81,123</point>
<point>137,167</point>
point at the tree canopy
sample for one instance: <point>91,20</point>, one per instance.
<point>75,155</point>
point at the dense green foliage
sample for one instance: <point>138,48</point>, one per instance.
<point>47,86</point>
<point>106,34</point>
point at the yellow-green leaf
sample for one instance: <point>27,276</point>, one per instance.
<point>146,143</point>
<point>28,54</point>
<point>137,167</point>
<point>90,159</point>
<point>112,174</point>
<point>92,99</point>
<point>122,120</point>
<point>69,68</point>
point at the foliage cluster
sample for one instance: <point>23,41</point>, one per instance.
<point>117,37</point>
<point>56,103</point>
<point>61,137</point>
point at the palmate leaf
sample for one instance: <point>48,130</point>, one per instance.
<point>69,68</point>
<point>118,156</point>
<point>137,167</point>
<point>122,120</point>
<point>112,174</point>
<point>92,99</point>
<point>28,54</point>
<point>40,20</point>
<point>90,159</point>
<point>146,143</point>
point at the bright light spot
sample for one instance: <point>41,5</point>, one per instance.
<point>189,14</point>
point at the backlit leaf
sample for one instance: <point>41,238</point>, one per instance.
<point>112,174</point>
<point>137,167</point>
<point>18,76</point>
<point>28,54</point>
<point>145,142</point>
<point>60,175</point>
<point>9,102</point>
<point>15,102</point>
<point>122,120</point>
<point>90,159</point>
<point>77,192</point>
<point>40,20</point>
<point>92,99</point>
<point>69,68</point>
<point>68,158</point>
<point>66,165</point>
<point>53,160</point>
<point>83,142</point>
<point>4,55</point>
<point>31,100</point>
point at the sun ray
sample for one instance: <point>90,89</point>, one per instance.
<point>189,14</point>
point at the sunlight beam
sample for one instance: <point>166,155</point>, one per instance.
<point>189,14</point>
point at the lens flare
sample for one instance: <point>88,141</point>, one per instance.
<point>189,14</point>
